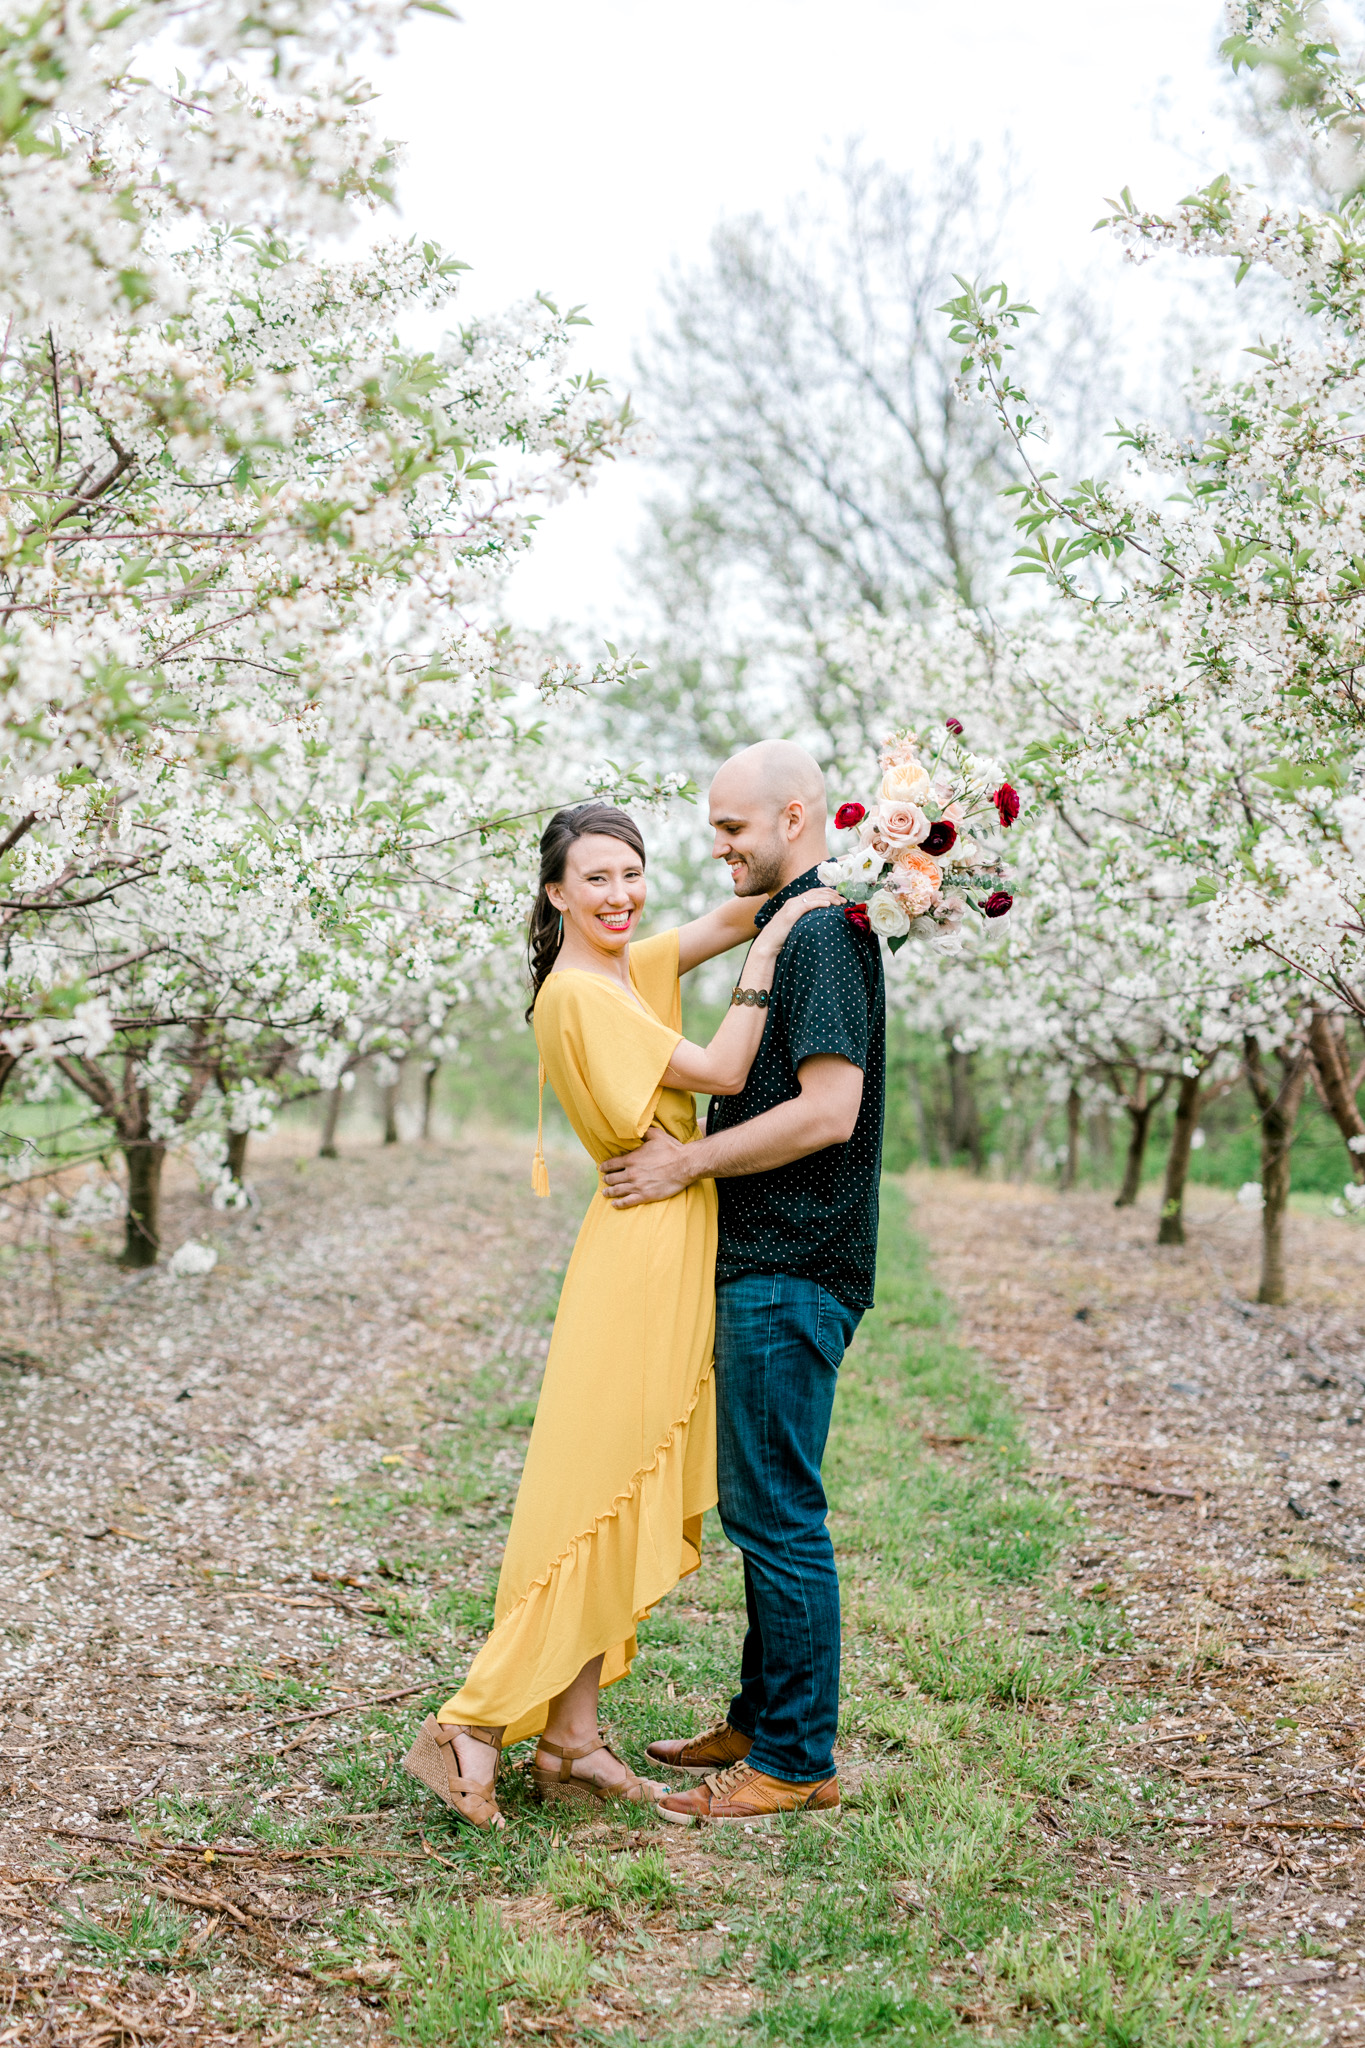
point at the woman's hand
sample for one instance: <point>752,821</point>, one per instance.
<point>777,928</point>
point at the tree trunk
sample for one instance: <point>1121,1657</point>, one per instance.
<point>1101,1132</point>
<point>391,1109</point>
<point>1332,1067</point>
<point>1187,1107</point>
<point>236,1154</point>
<point>1071,1165</point>
<point>1279,1109</point>
<point>928,1150</point>
<point>1139,1123</point>
<point>432,1069</point>
<point>8,1062</point>
<point>142,1229</point>
<point>1140,1106</point>
<point>331,1117</point>
<point>964,1122</point>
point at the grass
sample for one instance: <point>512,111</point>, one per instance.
<point>147,1935</point>
<point>948,1907</point>
<point>456,1963</point>
<point>611,1884</point>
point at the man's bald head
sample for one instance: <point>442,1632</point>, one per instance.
<point>774,773</point>
<point>768,810</point>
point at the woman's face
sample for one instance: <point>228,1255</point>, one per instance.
<point>603,891</point>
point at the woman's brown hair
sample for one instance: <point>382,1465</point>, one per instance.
<point>546,934</point>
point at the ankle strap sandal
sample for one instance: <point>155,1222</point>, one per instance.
<point>563,1785</point>
<point>434,1760</point>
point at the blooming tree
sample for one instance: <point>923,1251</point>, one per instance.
<point>1111,971</point>
<point>268,763</point>
<point>1243,546</point>
<point>1246,543</point>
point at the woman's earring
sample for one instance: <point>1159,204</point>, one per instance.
<point>561,927</point>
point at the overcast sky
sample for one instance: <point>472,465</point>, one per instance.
<point>583,149</point>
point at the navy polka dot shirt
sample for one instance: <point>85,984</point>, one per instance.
<point>816,1217</point>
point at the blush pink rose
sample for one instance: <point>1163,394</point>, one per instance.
<point>901,824</point>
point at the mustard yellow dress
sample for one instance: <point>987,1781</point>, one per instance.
<point>621,1465</point>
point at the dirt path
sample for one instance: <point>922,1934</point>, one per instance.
<point>185,1562</point>
<point>233,1505</point>
<point>1219,1451</point>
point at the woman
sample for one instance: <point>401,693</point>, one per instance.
<point>621,1465</point>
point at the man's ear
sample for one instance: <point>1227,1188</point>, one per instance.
<point>795,813</point>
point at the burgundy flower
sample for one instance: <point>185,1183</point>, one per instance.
<point>849,815</point>
<point>996,904</point>
<point>940,837</point>
<point>1006,801</point>
<point>954,726</point>
<point>856,913</point>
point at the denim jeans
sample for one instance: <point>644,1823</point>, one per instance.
<point>779,1344</point>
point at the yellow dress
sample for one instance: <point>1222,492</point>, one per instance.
<point>621,1465</point>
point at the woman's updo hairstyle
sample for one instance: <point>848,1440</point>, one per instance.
<point>546,934</point>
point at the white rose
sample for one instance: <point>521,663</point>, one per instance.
<point>832,873</point>
<point>886,916</point>
<point>905,782</point>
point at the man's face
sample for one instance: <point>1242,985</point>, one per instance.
<point>752,836</point>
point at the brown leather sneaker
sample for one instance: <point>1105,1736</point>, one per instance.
<point>747,1795</point>
<point>720,1747</point>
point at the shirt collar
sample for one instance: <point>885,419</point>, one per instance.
<point>798,887</point>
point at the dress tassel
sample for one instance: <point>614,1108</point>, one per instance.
<point>540,1179</point>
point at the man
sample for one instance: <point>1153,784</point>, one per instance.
<point>796,1158</point>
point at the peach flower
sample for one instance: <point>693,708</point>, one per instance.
<point>905,782</point>
<point>918,864</point>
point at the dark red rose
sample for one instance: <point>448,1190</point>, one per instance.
<point>1006,801</point>
<point>856,913</point>
<point>849,815</point>
<point>939,837</point>
<point>997,903</point>
<point>954,726</point>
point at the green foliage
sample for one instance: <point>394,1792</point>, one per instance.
<point>598,1883</point>
<point>149,1935</point>
<point>1137,1975</point>
<point>454,1963</point>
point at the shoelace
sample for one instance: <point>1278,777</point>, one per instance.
<point>723,1783</point>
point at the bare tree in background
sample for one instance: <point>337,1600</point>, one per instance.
<point>819,460</point>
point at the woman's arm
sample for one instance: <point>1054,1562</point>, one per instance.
<point>722,1067</point>
<point>730,924</point>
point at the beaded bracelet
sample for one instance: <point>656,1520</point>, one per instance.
<point>757,998</point>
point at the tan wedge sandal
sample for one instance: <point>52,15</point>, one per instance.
<point>563,1785</point>
<point>433,1759</point>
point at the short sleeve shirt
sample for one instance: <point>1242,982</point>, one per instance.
<point>816,1217</point>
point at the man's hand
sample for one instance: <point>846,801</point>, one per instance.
<point>659,1169</point>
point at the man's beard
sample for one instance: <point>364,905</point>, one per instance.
<point>761,874</point>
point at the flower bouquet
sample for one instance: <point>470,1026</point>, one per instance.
<point>917,869</point>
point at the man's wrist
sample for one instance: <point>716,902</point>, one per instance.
<point>692,1161</point>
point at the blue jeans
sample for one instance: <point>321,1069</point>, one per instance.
<point>779,1344</point>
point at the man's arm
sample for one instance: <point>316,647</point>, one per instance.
<point>823,1114</point>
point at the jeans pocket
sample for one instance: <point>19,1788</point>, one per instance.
<point>834,1327</point>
